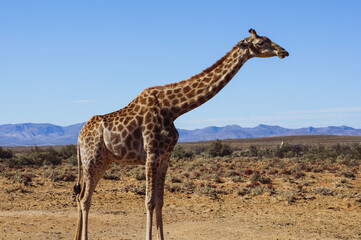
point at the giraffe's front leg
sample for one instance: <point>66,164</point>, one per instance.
<point>159,198</point>
<point>151,168</point>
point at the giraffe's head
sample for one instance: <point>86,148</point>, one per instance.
<point>261,46</point>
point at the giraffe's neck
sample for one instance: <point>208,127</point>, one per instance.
<point>184,96</point>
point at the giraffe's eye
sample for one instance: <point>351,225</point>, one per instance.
<point>260,43</point>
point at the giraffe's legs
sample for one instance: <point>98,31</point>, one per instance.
<point>92,173</point>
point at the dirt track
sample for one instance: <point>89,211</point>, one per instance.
<point>47,212</point>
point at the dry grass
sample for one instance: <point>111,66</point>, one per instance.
<point>217,176</point>
<point>281,195</point>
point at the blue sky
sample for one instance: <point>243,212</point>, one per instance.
<point>62,62</point>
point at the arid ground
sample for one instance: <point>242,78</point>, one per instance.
<point>230,197</point>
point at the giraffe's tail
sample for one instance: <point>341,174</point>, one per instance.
<point>77,186</point>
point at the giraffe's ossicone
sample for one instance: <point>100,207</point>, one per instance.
<point>143,132</point>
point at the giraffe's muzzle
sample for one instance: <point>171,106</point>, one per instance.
<point>283,54</point>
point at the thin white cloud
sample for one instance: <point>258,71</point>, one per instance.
<point>326,110</point>
<point>84,101</point>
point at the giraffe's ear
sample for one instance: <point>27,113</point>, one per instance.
<point>253,32</point>
<point>243,45</point>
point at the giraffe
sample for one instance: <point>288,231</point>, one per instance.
<point>143,132</point>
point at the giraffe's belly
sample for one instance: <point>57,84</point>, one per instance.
<point>125,148</point>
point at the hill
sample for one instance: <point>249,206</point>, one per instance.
<point>237,132</point>
<point>28,134</point>
<point>38,134</point>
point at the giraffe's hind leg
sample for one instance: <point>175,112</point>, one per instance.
<point>93,170</point>
<point>80,220</point>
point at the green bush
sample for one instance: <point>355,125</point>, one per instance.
<point>68,151</point>
<point>319,152</point>
<point>20,160</point>
<point>218,149</point>
<point>22,178</point>
<point>6,153</point>
<point>289,150</point>
<point>198,149</point>
<point>37,157</point>
<point>180,153</point>
<point>73,160</point>
<point>253,151</point>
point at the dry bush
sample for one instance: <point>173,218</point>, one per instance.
<point>111,176</point>
<point>140,176</point>
<point>347,173</point>
<point>138,189</point>
<point>174,179</point>
<point>324,191</point>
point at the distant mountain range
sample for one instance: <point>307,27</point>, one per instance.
<point>235,132</point>
<point>29,134</point>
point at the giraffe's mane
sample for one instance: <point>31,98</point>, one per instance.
<point>205,71</point>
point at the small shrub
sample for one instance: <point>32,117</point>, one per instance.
<point>253,151</point>
<point>257,190</point>
<point>38,157</point>
<point>242,191</point>
<point>297,172</point>
<point>317,169</point>
<point>248,171</point>
<point>188,186</point>
<point>73,160</point>
<point>140,176</point>
<point>319,152</point>
<point>139,189</point>
<point>50,157</point>
<point>110,176</point>
<point>216,179</point>
<point>21,160</point>
<point>218,149</point>
<point>255,177</point>
<point>22,178</point>
<point>286,172</point>
<point>6,153</point>
<point>343,180</point>
<point>174,179</point>
<point>180,153</point>
<point>347,173</point>
<point>54,175</point>
<point>273,171</point>
<point>195,174</point>
<point>288,150</point>
<point>232,173</point>
<point>208,190</point>
<point>67,151</point>
<point>173,188</point>
<point>265,180</point>
<point>290,197</point>
<point>68,176</point>
<point>236,179</point>
<point>324,191</point>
